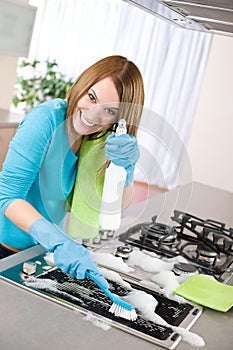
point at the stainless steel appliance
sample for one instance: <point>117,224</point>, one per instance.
<point>210,15</point>
<point>206,244</point>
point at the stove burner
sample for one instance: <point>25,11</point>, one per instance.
<point>206,255</point>
<point>164,235</point>
<point>184,269</point>
<point>123,251</point>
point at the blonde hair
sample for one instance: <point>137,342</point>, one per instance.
<point>127,80</point>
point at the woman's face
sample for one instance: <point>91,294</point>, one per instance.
<point>98,109</point>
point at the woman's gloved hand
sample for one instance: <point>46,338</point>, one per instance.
<point>123,151</point>
<point>70,256</point>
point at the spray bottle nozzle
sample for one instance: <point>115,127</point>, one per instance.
<point>121,128</point>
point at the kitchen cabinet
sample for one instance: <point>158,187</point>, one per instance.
<point>9,122</point>
<point>17,22</point>
<point>6,134</point>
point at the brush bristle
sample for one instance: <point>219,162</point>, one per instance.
<point>119,307</point>
<point>120,311</point>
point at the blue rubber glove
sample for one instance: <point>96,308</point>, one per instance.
<point>70,256</point>
<point>123,151</point>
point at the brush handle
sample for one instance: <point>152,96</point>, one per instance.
<point>89,274</point>
<point>111,296</point>
<point>105,290</point>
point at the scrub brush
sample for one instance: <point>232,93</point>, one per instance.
<point>119,307</point>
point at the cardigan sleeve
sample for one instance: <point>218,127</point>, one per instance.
<point>25,155</point>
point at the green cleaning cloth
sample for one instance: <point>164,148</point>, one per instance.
<point>206,291</point>
<point>86,197</point>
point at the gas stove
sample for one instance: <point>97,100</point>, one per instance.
<point>206,244</point>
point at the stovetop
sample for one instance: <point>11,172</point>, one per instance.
<point>83,295</point>
<point>205,243</point>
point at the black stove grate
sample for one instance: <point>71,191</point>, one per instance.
<point>207,244</point>
<point>212,233</point>
<point>85,294</point>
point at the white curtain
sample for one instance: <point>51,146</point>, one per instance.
<point>172,60</point>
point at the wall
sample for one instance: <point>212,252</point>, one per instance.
<point>211,143</point>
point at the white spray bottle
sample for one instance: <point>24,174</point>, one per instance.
<point>114,182</point>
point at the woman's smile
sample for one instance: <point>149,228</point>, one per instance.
<point>84,121</point>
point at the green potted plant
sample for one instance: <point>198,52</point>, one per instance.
<point>38,82</point>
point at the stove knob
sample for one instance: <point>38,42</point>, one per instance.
<point>105,234</point>
<point>29,267</point>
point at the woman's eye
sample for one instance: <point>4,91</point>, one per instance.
<point>91,97</point>
<point>110,111</point>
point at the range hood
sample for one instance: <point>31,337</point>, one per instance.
<point>204,15</point>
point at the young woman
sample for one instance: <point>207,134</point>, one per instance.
<point>40,168</point>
